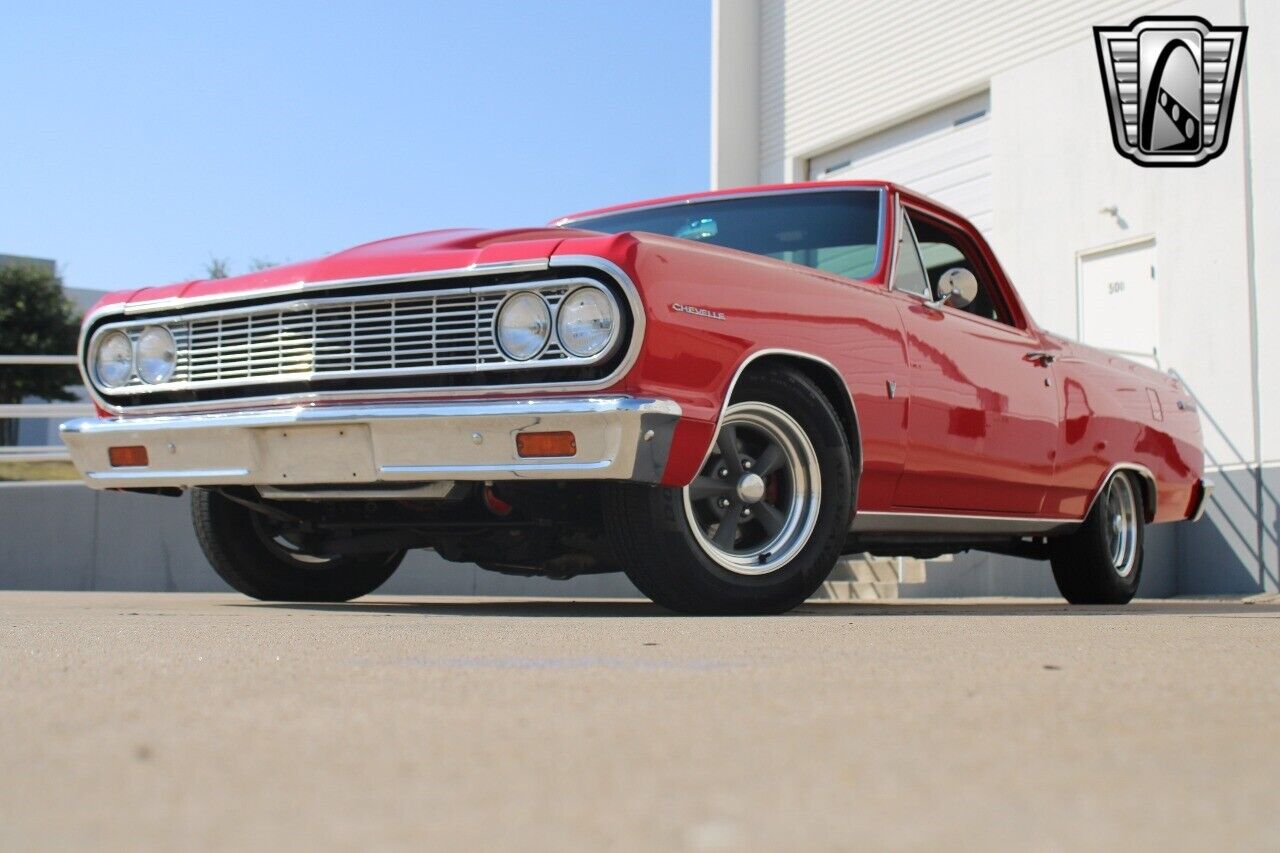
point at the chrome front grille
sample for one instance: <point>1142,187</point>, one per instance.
<point>417,332</point>
<point>445,331</point>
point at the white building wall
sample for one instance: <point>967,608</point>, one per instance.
<point>735,87</point>
<point>835,70</point>
<point>1056,169</point>
<point>831,72</point>
<point>1262,88</point>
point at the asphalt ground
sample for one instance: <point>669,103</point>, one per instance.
<point>210,721</point>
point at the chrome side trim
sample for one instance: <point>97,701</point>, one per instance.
<point>909,522</point>
<point>1206,490</point>
<point>758,354</point>
<point>1150,494</point>
<point>304,398</point>
<point>952,523</point>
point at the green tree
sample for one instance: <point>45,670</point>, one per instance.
<point>36,318</point>
<point>217,268</point>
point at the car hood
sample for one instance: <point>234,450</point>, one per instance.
<point>425,252</point>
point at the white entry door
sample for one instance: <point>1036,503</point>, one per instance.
<point>1119,301</point>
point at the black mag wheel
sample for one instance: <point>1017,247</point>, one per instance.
<point>1101,563</point>
<point>265,559</point>
<point>755,502</point>
<point>763,522</point>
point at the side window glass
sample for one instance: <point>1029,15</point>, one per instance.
<point>941,249</point>
<point>909,275</point>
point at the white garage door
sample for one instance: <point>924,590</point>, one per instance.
<point>945,155</point>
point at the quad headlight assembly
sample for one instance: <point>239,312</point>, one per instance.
<point>584,323</point>
<point>151,356</point>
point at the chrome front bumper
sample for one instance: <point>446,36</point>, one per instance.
<point>618,438</point>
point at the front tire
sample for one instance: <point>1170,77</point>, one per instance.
<point>1101,563</point>
<point>763,523</point>
<point>257,558</point>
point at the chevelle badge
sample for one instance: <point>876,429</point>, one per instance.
<point>699,312</point>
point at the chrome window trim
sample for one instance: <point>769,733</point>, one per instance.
<point>567,221</point>
<point>915,242</point>
<point>568,284</point>
<point>602,265</point>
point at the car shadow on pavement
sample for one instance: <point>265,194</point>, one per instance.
<point>631,608</point>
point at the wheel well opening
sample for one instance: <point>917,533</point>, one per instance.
<point>831,386</point>
<point>1149,494</point>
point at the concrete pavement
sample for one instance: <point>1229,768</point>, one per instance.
<point>210,721</point>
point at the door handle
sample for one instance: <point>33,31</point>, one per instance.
<point>1044,359</point>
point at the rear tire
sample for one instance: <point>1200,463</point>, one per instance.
<point>1101,563</point>
<point>763,523</point>
<point>263,563</point>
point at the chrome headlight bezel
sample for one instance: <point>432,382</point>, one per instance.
<point>540,327</point>
<point>608,312</point>
<point>114,337</point>
<point>155,355</point>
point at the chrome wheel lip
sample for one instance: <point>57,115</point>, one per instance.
<point>1120,523</point>
<point>801,511</point>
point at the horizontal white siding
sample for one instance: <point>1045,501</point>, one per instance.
<point>834,70</point>
<point>945,154</point>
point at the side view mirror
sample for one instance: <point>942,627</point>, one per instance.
<point>958,286</point>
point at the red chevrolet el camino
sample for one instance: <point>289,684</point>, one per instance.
<point>718,394</point>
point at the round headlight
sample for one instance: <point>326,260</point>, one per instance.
<point>157,355</point>
<point>524,325</point>
<point>585,322</point>
<point>113,361</point>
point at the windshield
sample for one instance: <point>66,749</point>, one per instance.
<point>835,231</point>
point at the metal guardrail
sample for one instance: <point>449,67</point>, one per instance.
<point>44,410</point>
<point>48,452</point>
<point>38,360</point>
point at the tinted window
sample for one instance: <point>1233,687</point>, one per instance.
<point>837,232</point>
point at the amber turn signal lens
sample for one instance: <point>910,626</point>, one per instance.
<point>546,444</point>
<point>133,456</point>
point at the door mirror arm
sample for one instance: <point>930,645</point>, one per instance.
<point>957,286</point>
<point>936,304</point>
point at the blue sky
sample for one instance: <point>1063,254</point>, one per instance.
<point>142,138</point>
